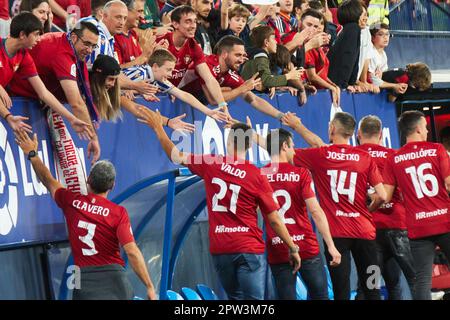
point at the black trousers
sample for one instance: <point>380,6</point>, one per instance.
<point>366,261</point>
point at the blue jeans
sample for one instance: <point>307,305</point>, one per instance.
<point>313,274</point>
<point>243,275</point>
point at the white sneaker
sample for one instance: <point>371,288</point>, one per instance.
<point>437,295</point>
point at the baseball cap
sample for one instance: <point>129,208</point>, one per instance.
<point>106,65</point>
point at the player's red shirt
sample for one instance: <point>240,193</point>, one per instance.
<point>234,190</point>
<point>291,186</point>
<point>230,78</point>
<point>127,46</point>
<point>96,227</point>
<point>51,69</point>
<point>20,65</point>
<point>188,57</point>
<point>81,7</point>
<point>341,175</point>
<point>419,169</point>
<point>4,10</point>
<point>390,215</point>
<point>317,59</point>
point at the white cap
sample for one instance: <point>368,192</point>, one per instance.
<point>260,2</point>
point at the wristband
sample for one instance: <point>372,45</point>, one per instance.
<point>280,115</point>
<point>6,117</point>
<point>222,104</point>
<point>167,123</point>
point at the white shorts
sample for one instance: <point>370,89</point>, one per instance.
<point>4,28</point>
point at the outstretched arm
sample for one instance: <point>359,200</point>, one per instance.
<point>27,145</point>
<point>294,122</point>
<point>154,121</point>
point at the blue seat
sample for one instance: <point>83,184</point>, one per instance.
<point>302,292</point>
<point>206,292</point>
<point>172,295</point>
<point>189,294</point>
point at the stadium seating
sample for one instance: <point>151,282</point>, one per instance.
<point>206,292</point>
<point>189,294</point>
<point>172,295</point>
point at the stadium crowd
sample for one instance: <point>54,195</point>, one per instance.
<point>372,199</point>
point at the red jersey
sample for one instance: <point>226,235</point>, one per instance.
<point>127,46</point>
<point>20,65</point>
<point>291,187</point>
<point>390,215</point>
<point>317,59</point>
<point>188,57</point>
<point>51,71</point>
<point>96,227</point>
<point>234,190</point>
<point>230,78</point>
<point>419,169</point>
<point>341,175</point>
<point>4,10</point>
<point>78,7</point>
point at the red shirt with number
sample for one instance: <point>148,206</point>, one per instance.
<point>188,57</point>
<point>390,215</point>
<point>341,176</point>
<point>51,71</point>
<point>234,190</point>
<point>20,65</point>
<point>96,228</point>
<point>291,186</point>
<point>127,46</point>
<point>420,169</point>
<point>230,78</point>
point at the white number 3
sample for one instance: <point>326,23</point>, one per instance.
<point>88,238</point>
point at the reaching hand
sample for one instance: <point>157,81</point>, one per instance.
<point>291,120</point>
<point>252,83</point>
<point>94,150</point>
<point>160,31</point>
<point>272,92</point>
<point>25,143</point>
<point>151,97</point>
<point>219,115</point>
<point>83,129</point>
<point>335,255</point>
<point>294,74</point>
<point>5,98</point>
<point>312,89</point>
<point>302,98</point>
<point>150,118</point>
<point>400,88</point>
<point>178,124</point>
<point>17,123</point>
<point>129,94</point>
<point>144,87</point>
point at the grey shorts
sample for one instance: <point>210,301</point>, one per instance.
<point>107,282</point>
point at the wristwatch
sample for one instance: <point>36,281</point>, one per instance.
<point>295,249</point>
<point>31,154</point>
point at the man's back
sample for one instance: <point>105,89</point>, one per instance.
<point>291,186</point>
<point>96,227</point>
<point>234,190</point>
<point>390,215</point>
<point>341,174</point>
<point>419,169</point>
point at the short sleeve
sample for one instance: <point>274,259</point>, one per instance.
<point>310,59</point>
<point>64,197</point>
<point>306,157</point>
<point>164,86</point>
<point>124,231</point>
<point>388,172</point>
<point>306,185</point>
<point>65,68</point>
<point>198,163</point>
<point>265,199</point>
<point>27,68</point>
<point>374,174</point>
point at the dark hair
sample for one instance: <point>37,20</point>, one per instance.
<point>408,121</point>
<point>259,34</point>
<point>350,11</point>
<point>102,176</point>
<point>280,59</point>
<point>26,22</point>
<point>374,28</point>
<point>227,43</point>
<point>419,75</point>
<point>283,136</point>
<point>346,124</point>
<point>298,3</point>
<point>83,25</point>
<point>313,13</point>
<point>242,136</point>
<point>98,4</point>
<point>30,5</point>
<point>315,5</point>
<point>178,12</point>
<point>370,126</point>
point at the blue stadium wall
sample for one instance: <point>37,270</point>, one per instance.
<point>29,219</point>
